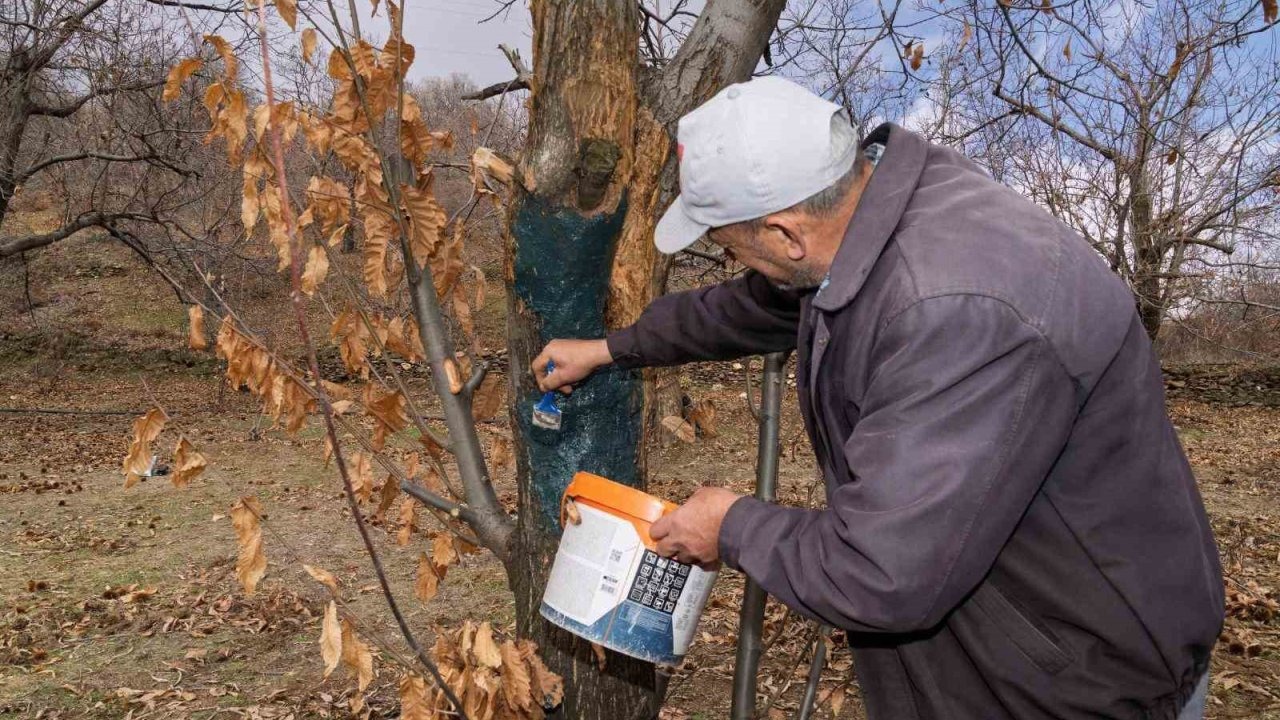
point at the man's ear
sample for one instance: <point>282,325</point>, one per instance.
<point>785,229</point>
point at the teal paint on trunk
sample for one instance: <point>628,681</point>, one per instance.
<point>562,267</point>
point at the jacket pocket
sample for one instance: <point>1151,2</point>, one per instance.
<point>1034,642</point>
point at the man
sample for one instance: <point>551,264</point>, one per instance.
<point>1012,529</point>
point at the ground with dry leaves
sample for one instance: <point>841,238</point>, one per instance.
<point>124,603</point>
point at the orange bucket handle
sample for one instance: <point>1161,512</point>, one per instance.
<point>614,496</point>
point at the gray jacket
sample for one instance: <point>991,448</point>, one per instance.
<point>1012,529</point>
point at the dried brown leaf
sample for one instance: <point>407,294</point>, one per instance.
<point>337,67</point>
<point>330,639</point>
<point>316,270</point>
<point>335,390</point>
<point>446,264</point>
<point>188,463</point>
<point>488,398</point>
<point>288,10</point>
<point>251,564</point>
<point>139,594</point>
<point>431,478</point>
<point>1179,56</point>
<point>390,414</point>
<point>322,576</point>
<point>485,649</point>
<point>376,239</point>
<point>250,202</point>
<point>703,417</point>
<point>178,75</point>
<point>517,686</point>
<point>138,459</point>
<point>834,698</point>
<point>228,55</point>
<point>427,582</point>
<point>387,496</point>
<point>414,703</point>
<point>501,455</point>
<point>361,473</point>
<point>308,44</point>
<point>357,659</point>
<point>571,514</point>
<point>195,328</point>
<point>443,552</point>
<point>408,511</point>
<point>426,220</point>
<point>548,685</point>
<point>681,427</point>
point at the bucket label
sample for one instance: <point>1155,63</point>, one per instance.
<point>659,582</point>
<point>608,587</point>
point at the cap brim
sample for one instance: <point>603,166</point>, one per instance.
<point>676,230</point>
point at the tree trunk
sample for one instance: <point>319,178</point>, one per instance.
<point>723,47</point>
<point>565,220</point>
<point>1148,254</point>
<point>595,174</point>
<point>15,108</point>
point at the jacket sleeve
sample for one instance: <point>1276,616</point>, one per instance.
<point>743,316</point>
<point>966,410</point>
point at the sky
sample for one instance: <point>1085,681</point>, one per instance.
<point>449,38</point>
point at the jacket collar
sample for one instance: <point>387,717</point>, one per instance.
<point>883,201</point>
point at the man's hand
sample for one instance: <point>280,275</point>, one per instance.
<point>691,534</point>
<point>574,359</point>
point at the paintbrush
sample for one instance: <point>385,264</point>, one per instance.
<point>546,414</point>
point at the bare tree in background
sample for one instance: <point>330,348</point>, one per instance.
<point>82,122</point>
<point>1150,130</point>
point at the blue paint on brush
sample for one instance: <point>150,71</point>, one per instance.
<point>546,413</point>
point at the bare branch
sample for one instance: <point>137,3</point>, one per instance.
<point>497,89</point>
<point>477,377</point>
<point>71,107</point>
<point>520,82</point>
<point>504,6</point>
<point>31,242</point>
<point>1037,113</point>
<point>225,9</point>
<point>90,154</point>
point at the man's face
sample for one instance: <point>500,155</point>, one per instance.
<point>770,252</point>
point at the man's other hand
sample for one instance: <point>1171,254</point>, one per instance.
<point>691,534</point>
<point>574,359</point>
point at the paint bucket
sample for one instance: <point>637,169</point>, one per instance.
<point>609,586</point>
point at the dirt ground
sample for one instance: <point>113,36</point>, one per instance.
<point>123,603</point>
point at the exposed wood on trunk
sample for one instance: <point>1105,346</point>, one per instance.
<point>565,219</point>
<point>595,175</point>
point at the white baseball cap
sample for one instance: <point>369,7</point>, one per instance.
<point>756,148</point>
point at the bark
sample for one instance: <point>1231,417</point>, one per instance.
<point>723,47</point>
<point>15,111</point>
<point>595,175</point>
<point>33,242</point>
<point>567,211</point>
<point>1148,255</point>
